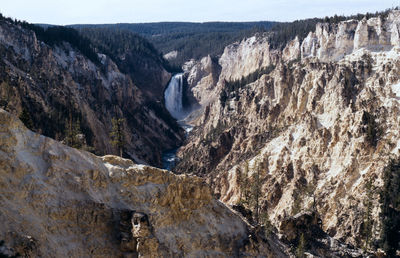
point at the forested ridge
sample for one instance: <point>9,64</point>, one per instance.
<point>117,43</point>
<point>191,40</point>
<point>196,40</point>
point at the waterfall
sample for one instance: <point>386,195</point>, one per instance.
<point>173,97</point>
<point>173,102</point>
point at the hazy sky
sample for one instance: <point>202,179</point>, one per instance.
<point>105,11</point>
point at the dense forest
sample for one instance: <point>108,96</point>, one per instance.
<point>115,43</point>
<point>191,40</point>
<point>196,40</point>
<point>162,28</point>
<point>119,43</point>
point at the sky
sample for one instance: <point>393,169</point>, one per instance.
<point>63,12</point>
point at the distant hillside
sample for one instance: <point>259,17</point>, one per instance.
<point>191,40</point>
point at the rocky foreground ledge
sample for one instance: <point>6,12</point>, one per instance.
<point>56,201</point>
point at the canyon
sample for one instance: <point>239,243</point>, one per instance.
<point>314,130</point>
<point>267,152</point>
<point>58,86</point>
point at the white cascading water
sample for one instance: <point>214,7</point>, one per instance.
<point>173,102</point>
<point>173,97</point>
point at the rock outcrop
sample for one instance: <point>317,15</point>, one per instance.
<point>240,59</point>
<point>201,76</point>
<point>314,131</point>
<point>205,78</point>
<point>58,86</point>
<point>333,42</point>
<point>305,226</point>
<point>57,201</point>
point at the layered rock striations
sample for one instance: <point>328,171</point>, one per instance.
<point>58,86</point>
<point>205,78</point>
<point>332,43</point>
<point>317,131</point>
<point>57,201</point>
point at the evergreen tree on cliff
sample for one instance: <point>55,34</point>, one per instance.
<point>390,209</point>
<point>117,134</point>
<point>25,117</point>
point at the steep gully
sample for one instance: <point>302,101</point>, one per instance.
<point>173,97</point>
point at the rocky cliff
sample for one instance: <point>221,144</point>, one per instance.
<point>205,77</point>
<point>57,201</point>
<point>58,86</point>
<point>315,132</point>
<point>332,43</point>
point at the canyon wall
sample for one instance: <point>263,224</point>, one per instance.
<point>316,131</point>
<point>58,86</point>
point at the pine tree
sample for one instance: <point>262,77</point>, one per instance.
<point>244,184</point>
<point>297,201</point>
<point>301,247</point>
<point>265,221</point>
<point>368,222</point>
<point>310,191</point>
<point>5,95</point>
<point>117,134</point>
<point>256,191</point>
<point>239,182</point>
<point>390,208</point>
<point>72,133</point>
<point>26,119</point>
<point>256,194</point>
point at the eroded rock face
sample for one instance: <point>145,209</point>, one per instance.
<point>306,226</point>
<point>333,42</point>
<point>55,84</point>
<point>201,77</point>
<point>304,126</point>
<point>241,59</point>
<point>206,78</point>
<point>57,201</point>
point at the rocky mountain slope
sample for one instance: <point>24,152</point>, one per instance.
<point>134,56</point>
<point>58,86</point>
<point>313,125</point>
<point>57,201</point>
